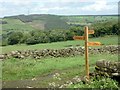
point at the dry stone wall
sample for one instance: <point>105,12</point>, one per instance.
<point>107,68</point>
<point>38,54</point>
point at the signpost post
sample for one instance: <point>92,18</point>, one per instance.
<point>86,52</point>
<point>85,37</point>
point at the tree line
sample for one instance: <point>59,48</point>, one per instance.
<point>49,36</point>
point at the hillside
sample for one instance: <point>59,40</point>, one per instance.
<point>33,22</point>
<point>15,24</point>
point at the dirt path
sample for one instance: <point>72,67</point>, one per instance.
<point>27,83</point>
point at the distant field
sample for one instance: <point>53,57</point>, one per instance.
<point>108,40</point>
<point>83,20</point>
<point>15,25</point>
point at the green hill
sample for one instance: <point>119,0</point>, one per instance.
<point>15,24</point>
<point>33,22</point>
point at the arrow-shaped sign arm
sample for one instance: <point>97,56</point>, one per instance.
<point>79,38</point>
<point>94,44</point>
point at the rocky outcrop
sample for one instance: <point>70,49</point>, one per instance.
<point>38,54</point>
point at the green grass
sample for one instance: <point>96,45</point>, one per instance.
<point>16,25</point>
<point>44,22</point>
<point>19,69</point>
<point>108,40</point>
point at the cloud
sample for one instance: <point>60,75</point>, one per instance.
<point>26,1</point>
<point>22,1</point>
<point>98,6</point>
<point>62,7</point>
<point>17,2</point>
<point>52,8</point>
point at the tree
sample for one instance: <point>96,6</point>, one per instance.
<point>115,29</point>
<point>31,41</point>
<point>15,38</point>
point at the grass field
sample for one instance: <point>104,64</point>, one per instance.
<point>108,40</point>
<point>88,19</point>
<point>15,69</point>
<point>91,18</point>
<point>21,69</point>
<point>16,25</point>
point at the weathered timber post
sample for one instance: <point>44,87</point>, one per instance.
<point>86,52</point>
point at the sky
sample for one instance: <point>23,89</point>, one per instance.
<point>58,7</point>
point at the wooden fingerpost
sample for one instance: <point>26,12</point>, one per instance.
<point>85,37</point>
<point>86,52</point>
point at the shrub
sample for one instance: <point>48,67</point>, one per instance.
<point>100,82</point>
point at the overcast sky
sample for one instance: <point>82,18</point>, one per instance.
<point>59,7</point>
